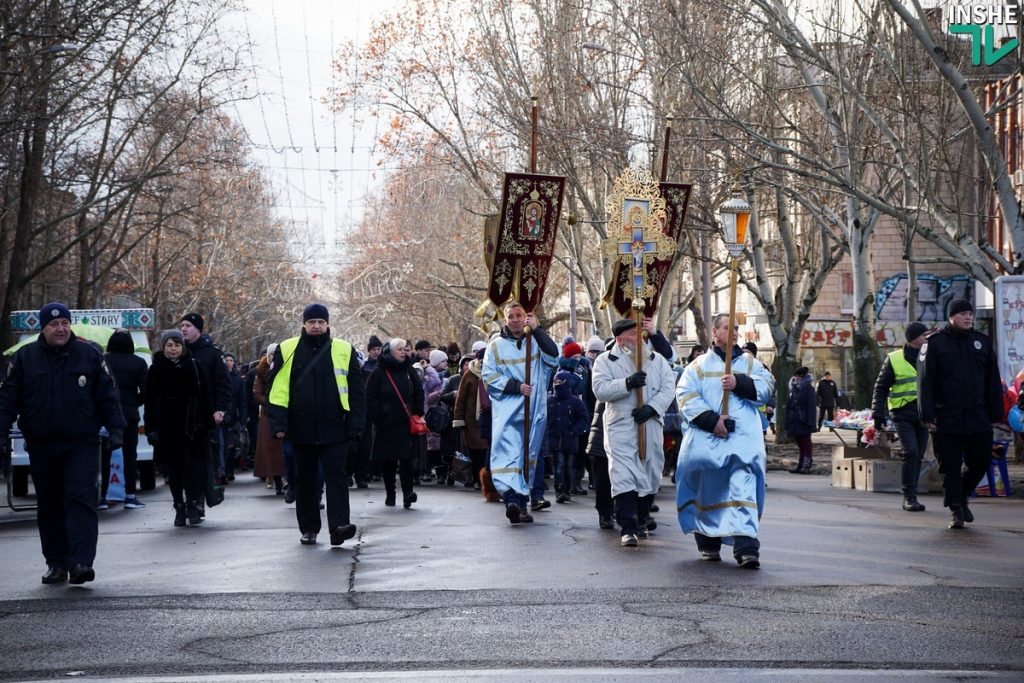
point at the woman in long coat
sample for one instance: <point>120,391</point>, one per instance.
<point>466,416</point>
<point>393,446</point>
<point>178,417</point>
<point>800,417</point>
<point>269,455</point>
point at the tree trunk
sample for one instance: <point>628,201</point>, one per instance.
<point>865,349</point>
<point>782,368</point>
<point>33,143</point>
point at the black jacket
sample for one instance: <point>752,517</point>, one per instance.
<point>238,410</point>
<point>801,415</point>
<point>392,440</point>
<point>252,409</point>
<point>314,414</point>
<point>827,393</point>
<point>958,385</point>
<point>177,405</point>
<point>129,373</point>
<point>59,394</point>
<point>214,372</point>
<point>595,442</point>
<point>880,397</point>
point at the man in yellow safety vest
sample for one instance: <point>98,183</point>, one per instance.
<point>318,403</point>
<point>896,395</point>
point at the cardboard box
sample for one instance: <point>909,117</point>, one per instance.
<point>860,475</point>
<point>852,453</point>
<point>842,473</point>
<point>883,476</point>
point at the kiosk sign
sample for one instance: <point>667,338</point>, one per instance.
<point>115,318</point>
<point>1008,334</point>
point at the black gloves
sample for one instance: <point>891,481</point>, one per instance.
<point>636,380</point>
<point>115,439</point>
<point>879,424</point>
<point>641,415</point>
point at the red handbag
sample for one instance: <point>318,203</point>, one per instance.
<point>417,425</point>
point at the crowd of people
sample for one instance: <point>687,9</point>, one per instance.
<point>314,417</point>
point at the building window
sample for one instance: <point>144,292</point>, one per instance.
<point>846,304</point>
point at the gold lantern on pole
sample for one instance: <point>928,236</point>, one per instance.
<point>735,217</point>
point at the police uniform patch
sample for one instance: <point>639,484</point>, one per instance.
<point>977,345</point>
<point>82,381</point>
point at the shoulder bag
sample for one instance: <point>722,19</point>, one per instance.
<point>417,425</point>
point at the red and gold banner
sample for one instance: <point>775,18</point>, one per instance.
<point>637,195</point>
<point>677,200</point>
<point>531,207</point>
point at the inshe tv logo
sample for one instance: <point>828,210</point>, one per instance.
<point>979,22</point>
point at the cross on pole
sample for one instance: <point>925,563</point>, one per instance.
<point>637,248</point>
<point>638,210</point>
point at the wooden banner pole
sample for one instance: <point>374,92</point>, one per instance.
<point>664,149</point>
<point>729,340</point>
<point>641,428</point>
<point>529,332</point>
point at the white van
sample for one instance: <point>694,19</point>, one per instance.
<point>92,325</point>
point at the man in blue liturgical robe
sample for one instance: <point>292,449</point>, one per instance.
<point>720,472</point>
<point>504,373</point>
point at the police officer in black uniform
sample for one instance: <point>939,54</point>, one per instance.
<point>61,392</point>
<point>960,397</point>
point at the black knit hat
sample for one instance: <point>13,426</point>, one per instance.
<point>195,319</point>
<point>315,312</point>
<point>374,343</point>
<point>960,306</point>
<point>915,330</point>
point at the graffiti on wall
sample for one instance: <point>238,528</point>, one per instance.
<point>933,296</point>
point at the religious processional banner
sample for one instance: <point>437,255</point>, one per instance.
<point>531,206</point>
<point>645,222</point>
<point>677,200</point>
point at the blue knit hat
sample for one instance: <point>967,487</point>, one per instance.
<point>53,311</point>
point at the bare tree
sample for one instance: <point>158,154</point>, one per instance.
<point>96,127</point>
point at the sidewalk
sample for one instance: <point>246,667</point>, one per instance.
<point>785,457</point>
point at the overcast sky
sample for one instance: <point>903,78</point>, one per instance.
<point>320,165</point>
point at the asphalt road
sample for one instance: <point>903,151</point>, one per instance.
<point>851,587</point>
